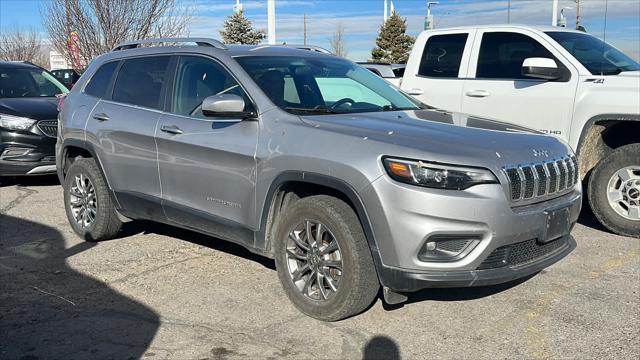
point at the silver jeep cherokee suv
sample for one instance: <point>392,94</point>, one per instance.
<point>315,162</point>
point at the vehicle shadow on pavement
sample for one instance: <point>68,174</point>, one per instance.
<point>50,311</point>
<point>381,347</point>
<point>150,227</point>
<point>43,180</point>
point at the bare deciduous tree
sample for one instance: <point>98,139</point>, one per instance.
<point>102,24</point>
<point>338,44</point>
<point>19,45</point>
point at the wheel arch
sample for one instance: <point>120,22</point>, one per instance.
<point>304,184</point>
<point>602,134</point>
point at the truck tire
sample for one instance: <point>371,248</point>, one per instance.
<point>87,202</point>
<point>614,191</point>
<point>329,275</point>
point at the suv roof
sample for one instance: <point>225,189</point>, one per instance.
<point>208,43</point>
<point>542,28</point>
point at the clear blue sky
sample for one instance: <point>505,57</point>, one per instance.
<point>361,19</point>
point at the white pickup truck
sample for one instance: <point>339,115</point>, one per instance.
<point>562,82</point>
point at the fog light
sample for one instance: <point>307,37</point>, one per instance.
<point>14,152</point>
<point>448,247</point>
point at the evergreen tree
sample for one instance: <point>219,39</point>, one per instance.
<point>238,30</point>
<point>393,44</point>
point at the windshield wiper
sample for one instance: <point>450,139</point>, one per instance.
<point>312,111</point>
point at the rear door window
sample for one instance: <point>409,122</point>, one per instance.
<point>101,80</point>
<point>140,81</point>
<point>442,56</point>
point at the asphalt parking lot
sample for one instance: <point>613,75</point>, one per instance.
<point>159,292</point>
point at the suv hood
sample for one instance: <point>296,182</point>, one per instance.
<point>44,108</point>
<point>455,138</point>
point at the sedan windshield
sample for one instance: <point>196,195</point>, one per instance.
<point>596,55</point>
<point>323,85</point>
<point>24,82</point>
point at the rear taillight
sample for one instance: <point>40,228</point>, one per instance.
<point>61,98</point>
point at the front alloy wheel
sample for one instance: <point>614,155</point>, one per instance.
<point>314,260</point>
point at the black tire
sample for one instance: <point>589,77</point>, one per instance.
<point>625,156</point>
<point>359,283</point>
<point>106,224</point>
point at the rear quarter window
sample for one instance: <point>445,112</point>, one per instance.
<point>442,55</point>
<point>101,80</point>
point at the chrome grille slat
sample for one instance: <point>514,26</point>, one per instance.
<point>541,179</point>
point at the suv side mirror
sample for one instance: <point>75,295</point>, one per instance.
<point>540,68</point>
<point>224,105</point>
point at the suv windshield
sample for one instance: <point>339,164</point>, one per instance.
<point>323,85</point>
<point>596,55</point>
<point>28,82</point>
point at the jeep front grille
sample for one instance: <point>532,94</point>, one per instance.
<point>49,127</point>
<point>542,179</point>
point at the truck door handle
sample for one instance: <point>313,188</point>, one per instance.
<point>171,129</point>
<point>101,117</point>
<point>415,91</point>
<point>477,93</point>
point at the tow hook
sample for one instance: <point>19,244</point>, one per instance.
<point>391,297</point>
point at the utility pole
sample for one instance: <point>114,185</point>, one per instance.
<point>554,13</point>
<point>305,29</point>
<point>385,11</point>
<point>578,14</point>
<point>271,22</point>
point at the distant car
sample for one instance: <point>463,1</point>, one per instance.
<point>393,73</point>
<point>28,119</point>
<point>66,76</point>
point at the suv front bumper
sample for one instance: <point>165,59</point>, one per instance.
<point>26,153</point>
<point>404,218</point>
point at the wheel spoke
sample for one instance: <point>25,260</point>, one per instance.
<point>330,281</point>
<point>308,232</point>
<point>333,264</point>
<point>319,232</point>
<point>634,212</point>
<point>295,237</point>
<point>298,274</point>
<point>333,246</point>
<point>614,195</point>
<point>296,256</point>
<point>319,278</point>
<point>75,203</point>
<point>79,184</point>
<point>625,174</point>
<point>308,283</point>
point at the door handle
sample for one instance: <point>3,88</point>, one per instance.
<point>477,93</point>
<point>171,129</point>
<point>415,91</point>
<point>101,117</point>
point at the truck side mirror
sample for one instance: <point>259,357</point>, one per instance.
<point>540,68</point>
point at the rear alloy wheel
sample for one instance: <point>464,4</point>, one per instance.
<point>614,191</point>
<point>323,259</point>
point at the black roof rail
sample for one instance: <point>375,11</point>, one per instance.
<point>199,41</point>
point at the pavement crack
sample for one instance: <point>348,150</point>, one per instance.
<point>23,193</point>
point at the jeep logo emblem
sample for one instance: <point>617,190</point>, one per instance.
<point>540,153</point>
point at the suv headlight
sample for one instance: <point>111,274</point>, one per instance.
<point>439,176</point>
<point>15,122</point>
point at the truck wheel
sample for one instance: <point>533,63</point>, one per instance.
<point>614,191</point>
<point>87,202</point>
<point>323,259</point>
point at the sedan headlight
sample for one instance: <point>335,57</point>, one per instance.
<point>15,122</point>
<point>437,176</point>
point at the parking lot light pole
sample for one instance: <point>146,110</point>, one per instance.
<point>271,22</point>
<point>428,21</point>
